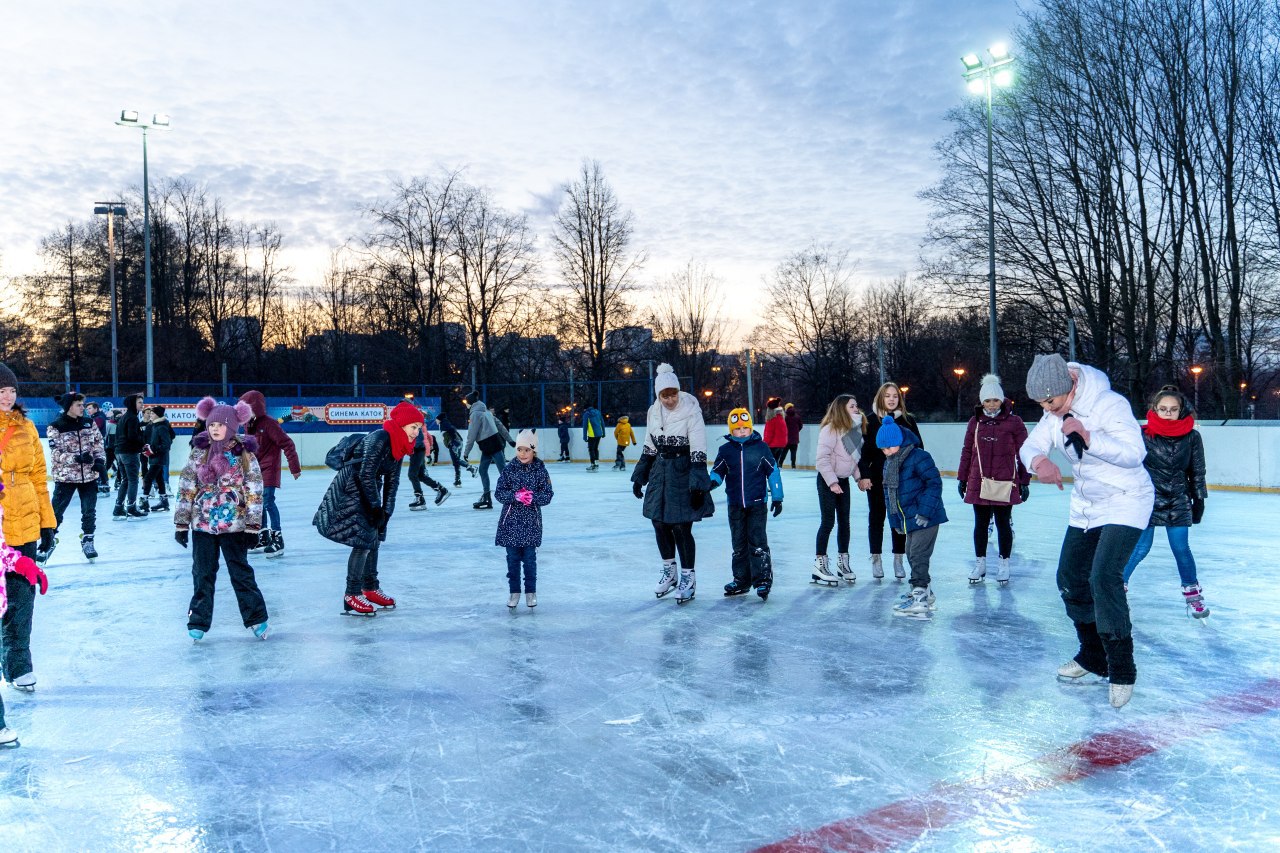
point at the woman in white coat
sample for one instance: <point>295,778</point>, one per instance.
<point>1111,503</point>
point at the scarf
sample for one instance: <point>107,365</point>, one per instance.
<point>221,454</point>
<point>852,441</point>
<point>893,473</point>
<point>401,444</point>
<point>1157,425</point>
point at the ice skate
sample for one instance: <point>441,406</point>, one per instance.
<point>86,545</point>
<point>736,587</point>
<point>899,571</point>
<point>25,683</point>
<point>195,634</point>
<point>667,582</point>
<point>593,467</point>
<point>442,495</point>
<point>822,572</point>
<point>1194,598</point>
<point>877,567</point>
<point>763,589</point>
<point>472,469</point>
<point>1002,572</point>
<point>135,514</point>
<point>162,506</point>
<point>687,587</point>
<point>844,570</point>
<point>275,548</point>
<point>264,539</point>
<point>914,606</point>
<point>357,605</point>
<point>143,505</point>
<point>380,598</point>
<point>1120,694</point>
<point>531,599</point>
<point>419,503</point>
<point>1072,672</point>
<point>118,514</point>
<point>513,601</point>
<point>979,571</point>
<point>9,739</point>
<point>485,502</point>
<point>457,481</point>
<point>261,630</point>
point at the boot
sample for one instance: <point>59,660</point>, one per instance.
<point>688,586</point>
<point>357,605</point>
<point>668,580</point>
<point>419,503</point>
<point>144,503</point>
<point>512,601</point>
<point>899,571</point>
<point>844,570</point>
<point>442,495</point>
<point>135,513</point>
<point>485,502</point>
<point>531,599</point>
<point>877,567</point>
<point>1193,597</point>
<point>264,539</point>
<point>275,547</point>
<point>822,572</point>
<point>736,587</point>
<point>979,571</point>
<point>118,514</point>
<point>1002,572</point>
<point>457,479</point>
<point>1091,659</point>
<point>380,598</point>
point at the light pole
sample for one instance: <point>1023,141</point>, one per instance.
<point>982,78</point>
<point>959,372</point>
<point>1196,370</point>
<point>112,209</point>
<point>129,118</point>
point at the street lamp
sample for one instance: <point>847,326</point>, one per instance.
<point>1196,370</point>
<point>1243,386</point>
<point>983,78</point>
<point>959,372</point>
<point>129,118</point>
<point>112,209</point>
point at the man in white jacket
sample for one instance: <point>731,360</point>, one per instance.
<point>1111,503</point>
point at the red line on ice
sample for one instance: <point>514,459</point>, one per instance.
<point>947,803</point>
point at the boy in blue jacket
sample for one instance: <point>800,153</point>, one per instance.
<point>746,466</point>
<point>913,496</point>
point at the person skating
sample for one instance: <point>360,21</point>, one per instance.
<point>888,401</point>
<point>624,436</point>
<point>592,432</point>
<point>671,477</point>
<point>29,525</point>
<point>1175,462</point>
<point>794,423</point>
<point>453,443</point>
<point>219,512</point>
<point>490,435</point>
<point>418,476</point>
<point>562,432</point>
<point>129,443</point>
<point>775,433</point>
<point>159,436</point>
<point>94,412</point>
<point>991,477</point>
<point>524,487</point>
<point>838,452</point>
<point>747,468</point>
<point>913,495</point>
<point>77,455</point>
<point>1111,503</point>
<point>361,500</point>
<point>24,569</point>
<point>272,442</point>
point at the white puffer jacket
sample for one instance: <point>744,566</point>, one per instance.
<point>1111,484</point>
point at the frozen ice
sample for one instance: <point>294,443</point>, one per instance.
<point>609,720</point>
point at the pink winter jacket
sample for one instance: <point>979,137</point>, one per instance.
<point>834,462</point>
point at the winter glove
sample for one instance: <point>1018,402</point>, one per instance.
<point>1077,435</point>
<point>524,496</point>
<point>47,540</point>
<point>100,466</point>
<point>27,568</point>
<point>1024,492</point>
<point>511,442</point>
<point>249,538</point>
<point>84,457</point>
<point>961,486</point>
<point>1197,510</point>
<point>777,508</point>
<point>697,497</point>
<point>147,451</point>
<point>637,490</point>
<point>182,537</point>
<point>921,521</point>
<point>1046,471</point>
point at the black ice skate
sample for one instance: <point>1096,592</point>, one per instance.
<point>485,502</point>
<point>736,587</point>
<point>86,545</point>
<point>419,503</point>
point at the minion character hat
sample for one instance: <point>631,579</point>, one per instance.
<point>740,418</point>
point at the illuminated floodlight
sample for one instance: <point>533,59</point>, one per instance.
<point>998,51</point>
<point>977,85</point>
<point>160,120</point>
<point>971,62</point>
<point>1003,78</point>
<point>129,116</point>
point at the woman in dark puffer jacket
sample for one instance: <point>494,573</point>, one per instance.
<point>360,501</point>
<point>1175,461</point>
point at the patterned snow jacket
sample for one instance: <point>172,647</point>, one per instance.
<point>674,463</point>
<point>230,504</point>
<point>919,487</point>
<point>75,447</point>
<point>360,500</point>
<point>520,526</point>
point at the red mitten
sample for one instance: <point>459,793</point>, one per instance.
<point>27,567</point>
<point>1046,471</point>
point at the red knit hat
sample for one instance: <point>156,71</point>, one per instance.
<point>406,413</point>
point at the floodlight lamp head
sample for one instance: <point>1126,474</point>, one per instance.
<point>160,120</point>
<point>101,208</point>
<point>130,116</point>
<point>978,85</point>
<point>971,62</point>
<point>1003,78</point>
<point>998,51</point>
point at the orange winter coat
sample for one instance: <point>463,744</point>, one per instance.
<point>622,433</point>
<point>26,487</point>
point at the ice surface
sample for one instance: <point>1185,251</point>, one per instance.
<point>608,720</point>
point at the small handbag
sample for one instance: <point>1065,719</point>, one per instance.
<point>997,491</point>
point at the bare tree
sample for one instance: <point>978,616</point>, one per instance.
<point>688,312</point>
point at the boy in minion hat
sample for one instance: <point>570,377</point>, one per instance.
<point>747,468</point>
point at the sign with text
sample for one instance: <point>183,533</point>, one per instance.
<point>355,413</point>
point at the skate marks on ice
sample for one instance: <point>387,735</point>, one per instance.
<point>948,803</point>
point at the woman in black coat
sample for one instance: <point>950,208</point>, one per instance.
<point>360,501</point>
<point>888,401</point>
<point>1175,461</point>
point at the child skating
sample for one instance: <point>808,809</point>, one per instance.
<point>524,487</point>
<point>625,437</point>
<point>913,497</point>
<point>22,569</point>
<point>748,469</point>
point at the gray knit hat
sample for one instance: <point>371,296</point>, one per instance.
<point>7,379</point>
<point>1048,377</point>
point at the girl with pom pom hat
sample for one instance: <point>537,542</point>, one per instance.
<point>220,512</point>
<point>360,501</point>
<point>673,465</point>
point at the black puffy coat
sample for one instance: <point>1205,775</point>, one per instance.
<point>367,482</point>
<point>871,464</point>
<point>1176,466</point>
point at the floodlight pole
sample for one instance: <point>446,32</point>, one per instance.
<point>112,210</point>
<point>991,234</point>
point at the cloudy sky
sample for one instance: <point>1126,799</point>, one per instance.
<point>736,132</point>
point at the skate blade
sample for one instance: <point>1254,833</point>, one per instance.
<point>443,499</point>
<point>276,556</point>
<point>922,617</point>
<point>25,688</point>
<point>354,613</point>
<point>820,582</point>
<point>684,600</point>
<point>417,509</point>
<point>976,581</point>
<point>13,744</point>
<point>663,594</point>
<point>1084,680</point>
<point>1002,583</point>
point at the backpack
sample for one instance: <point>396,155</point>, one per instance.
<point>342,452</point>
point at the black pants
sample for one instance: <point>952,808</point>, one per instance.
<point>564,451</point>
<point>779,453</point>
<point>593,449</point>
<point>205,548</point>
<point>457,463</point>
<point>791,448</point>
<point>127,479</point>
<point>835,513</point>
<point>418,473</point>
<point>88,492</point>
<point>747,531</point>
<point>674,538</point>
<point>103,478</point>
<point>15,635</point>
<point>1091,580</point>
<point>157,475</point>
<point>876,512</point>
<point>1004,529</point>
<point>362,570</point>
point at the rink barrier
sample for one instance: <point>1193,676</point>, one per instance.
<point>1242,456</point>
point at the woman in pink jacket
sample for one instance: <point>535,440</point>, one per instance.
<point>839,448</point>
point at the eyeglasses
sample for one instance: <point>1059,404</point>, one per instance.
<point>1168,410</point>
<point>734,418</point>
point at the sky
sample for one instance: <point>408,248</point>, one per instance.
<point>736,132</point>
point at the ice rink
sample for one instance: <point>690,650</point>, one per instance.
<point>607,720</point>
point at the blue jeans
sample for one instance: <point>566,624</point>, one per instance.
<point>127,479</point>
<point>491,459</point>
<point>1177,544</point>
<point>516,556</point>
<point>269,508</point>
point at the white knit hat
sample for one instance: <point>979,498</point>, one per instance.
<point>527,438</point>
<point>665,379</point>
<point>991,389</point>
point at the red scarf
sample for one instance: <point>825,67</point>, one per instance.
<point>1157,425</point>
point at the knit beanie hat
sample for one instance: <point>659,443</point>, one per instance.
<point>527,438</point>
<point>740,418</point>
<point>991,389</point>
<point>665,379</point>
<point>159,410</point>
<point>1048,377</point>
<point>7,379</point>
<point>211,411</point>
<point>889,434</point>
<point>65,401</point>
<point>405,413</point>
